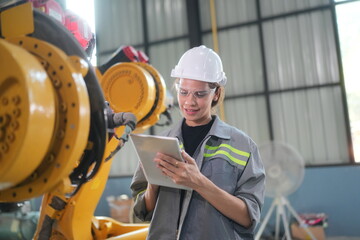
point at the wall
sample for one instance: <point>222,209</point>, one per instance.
<point>334,191</point>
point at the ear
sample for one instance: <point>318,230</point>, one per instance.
<point>217,95</point>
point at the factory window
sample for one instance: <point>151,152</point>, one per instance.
<point>348,19</point>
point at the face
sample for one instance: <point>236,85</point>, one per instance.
<point>195,98</point>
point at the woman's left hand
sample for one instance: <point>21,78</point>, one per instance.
<point>184,173</point>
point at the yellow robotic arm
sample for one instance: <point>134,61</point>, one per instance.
<point>54,124</point>
<point>46,113</point>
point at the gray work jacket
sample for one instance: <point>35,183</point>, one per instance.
<point>230,159</point>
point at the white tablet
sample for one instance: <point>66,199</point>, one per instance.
<point>146,147</point>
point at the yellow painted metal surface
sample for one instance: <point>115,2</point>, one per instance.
<point>71,124</point>
<point>216,46</point>
<point>17,21</point>
<point>129,88</point>
<point>140,234</point>
<point>27,104</point>
<point>80,65</point>
<point>159,103</point>
<point>45,117</point>
<point>118,230</point>
<point>76,220</point>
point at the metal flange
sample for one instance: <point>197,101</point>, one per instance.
<point>27,114</point>
<point>72,121</point>
<point>159,104</point>
<point>129,88</point>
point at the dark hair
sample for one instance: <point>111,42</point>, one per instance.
<point>220,91</point>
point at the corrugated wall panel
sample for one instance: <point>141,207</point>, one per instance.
<point>124,162</point>
<point>249,115</point>
<point>228,12</point>
<point>312,121</point>
<point>118,22</point>
<point>165,56</point>
<point>300,51</point>
<point>274,7</point>
<point>240,52</point>
<point>166,19</point>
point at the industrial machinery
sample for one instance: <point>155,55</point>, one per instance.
<point>62,121</point>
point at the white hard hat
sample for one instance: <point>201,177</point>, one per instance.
<point>200,63</point>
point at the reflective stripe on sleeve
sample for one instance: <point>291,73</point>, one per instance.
<point>139,194</point>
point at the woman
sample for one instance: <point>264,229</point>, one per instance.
<point>221,165</point>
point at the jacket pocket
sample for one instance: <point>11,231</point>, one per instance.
<point>221,172</point>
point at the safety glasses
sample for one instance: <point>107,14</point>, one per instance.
<point>197,94</point>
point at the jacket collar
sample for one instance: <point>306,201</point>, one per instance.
<point>219,129</point>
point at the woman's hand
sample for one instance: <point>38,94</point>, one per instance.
<point>187,173</point>
<point>181,172</point>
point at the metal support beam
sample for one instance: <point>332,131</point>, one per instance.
<point>194,25</point>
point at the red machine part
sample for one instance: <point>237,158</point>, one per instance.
<point>134,55</point>
<point>76,25</point>
<point>79,28</point>
<point>143,57</point>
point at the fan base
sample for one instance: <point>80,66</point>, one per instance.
<point>281,203</point>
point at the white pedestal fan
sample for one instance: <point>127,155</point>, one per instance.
<point>284,169</point>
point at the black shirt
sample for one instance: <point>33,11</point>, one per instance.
<point>192,136</point>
